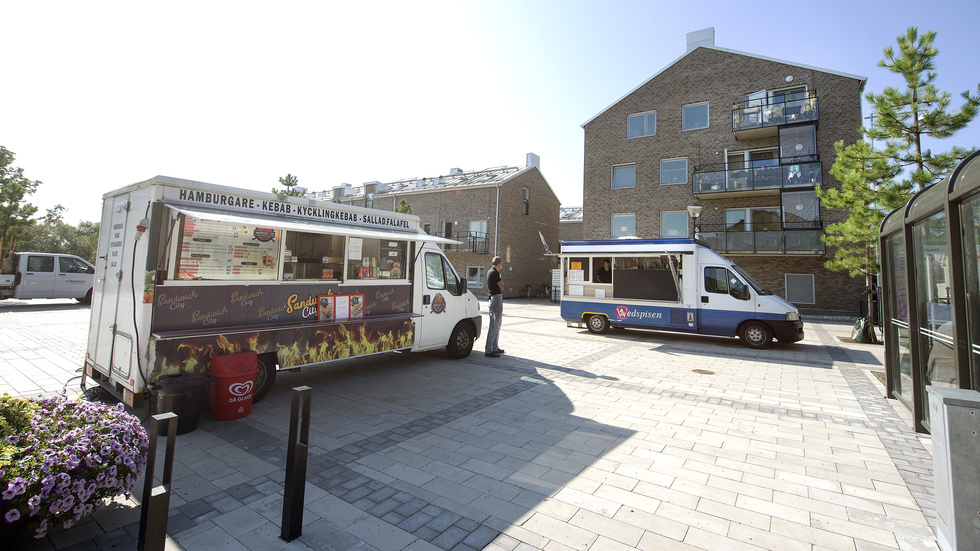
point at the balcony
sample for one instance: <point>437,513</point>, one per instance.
<point>788,241</point>
<point>761,118</point>
<point>469,242</point>
<point>764,180</point>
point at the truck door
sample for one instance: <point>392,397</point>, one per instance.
<point>440,294</point>
<point>38,278</point>
<point>107,285</point>
<point>73,279</point>
<point>726,300</point>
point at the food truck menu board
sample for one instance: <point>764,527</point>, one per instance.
<point>217,250</point>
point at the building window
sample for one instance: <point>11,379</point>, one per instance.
<point>369,200</point>
<point>427,228</point>
<point>642,124</point>
<point>695,116</point>
<point>527,201</point>
<point>674,224</point>
<point>673,171</point>
<point>623,176</point>
<point>623,225</point>
<point>476,277</point>
<point>800,289</point>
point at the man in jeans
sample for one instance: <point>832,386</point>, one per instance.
<point>496,287</point>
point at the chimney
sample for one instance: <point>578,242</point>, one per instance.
<point>533,161</point>
<point>696,39</point>
<point>370,187</point>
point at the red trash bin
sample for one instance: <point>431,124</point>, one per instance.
<point>233,386</point>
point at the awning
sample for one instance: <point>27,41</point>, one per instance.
<point>299,224</point>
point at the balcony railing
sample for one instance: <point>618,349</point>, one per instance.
<point>469,242</point>
<point>802,240</point>
<point>801,174</point>
<point>749,120</point>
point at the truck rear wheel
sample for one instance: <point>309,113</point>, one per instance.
<point>597,324</point>
<point>87,299</point>
<point>756,334</point>
<point>461,341</point>
<point>266,377</point>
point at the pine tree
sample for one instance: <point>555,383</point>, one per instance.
<point>870,188</point>
<point>403,207</point>
<point>904,117</point>
<point>290,189</point>
<point>15,213</point>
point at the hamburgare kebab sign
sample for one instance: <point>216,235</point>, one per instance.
<point>320,213</point>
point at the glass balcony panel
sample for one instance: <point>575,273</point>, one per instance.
<point>791,174</point>
<point>775,111</point>
<point>804,241</point>
<point>740,242</point>
<point>769,241</point>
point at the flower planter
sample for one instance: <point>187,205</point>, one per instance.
<point>60,458</point>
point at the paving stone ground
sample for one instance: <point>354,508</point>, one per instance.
<point>629,440</point>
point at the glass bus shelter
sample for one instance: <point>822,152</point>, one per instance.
<point>930,259</point>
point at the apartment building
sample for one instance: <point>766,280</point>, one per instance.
<point>743,140</point>
<point>501,211</point>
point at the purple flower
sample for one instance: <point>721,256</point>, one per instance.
<point>12,439</point>
<point>12,515</point>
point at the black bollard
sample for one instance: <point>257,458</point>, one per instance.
<point>299,447</point>
<point>155,508</point>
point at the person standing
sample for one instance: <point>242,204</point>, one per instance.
<point>496,287</point>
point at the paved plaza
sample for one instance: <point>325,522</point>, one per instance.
<point>629,440</point>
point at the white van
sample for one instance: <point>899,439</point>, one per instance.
<point>188,271</point>
<point>672,285</point>
<point>48,275</point>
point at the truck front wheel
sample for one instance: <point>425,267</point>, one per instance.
<point>756,334</point>
<point>597,324</point>
<point>266,377</point>
<point>461,341</point>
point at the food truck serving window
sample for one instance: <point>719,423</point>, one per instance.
<point>218,250</point>
<point>376,258</point>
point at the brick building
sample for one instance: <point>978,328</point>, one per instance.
<point>496,211</point>
<point>745,137</point>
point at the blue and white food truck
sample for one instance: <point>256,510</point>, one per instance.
<point>671,285</point>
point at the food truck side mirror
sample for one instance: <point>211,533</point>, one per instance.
<point>461,284</point>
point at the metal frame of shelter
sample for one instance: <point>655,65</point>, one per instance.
<point>930,259</point>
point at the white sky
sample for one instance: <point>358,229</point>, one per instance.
<point>99,95</point>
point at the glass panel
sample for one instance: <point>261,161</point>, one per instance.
<point>435,277</point>
<point>380,259</point>
<point>716,280</point>
<point>798,143</point>
<point>40,263</point>
<point>674,224</point>
<point>644,124</point>
<point>72,265</point>
<point>735,220</point>
<point>623,177</point>
<point>766,219</point>
<point>623,225</point>
<point>932,282</point>
<point>695,116</point>
<point>475,277</point>
<point>898,321</point>
<point>801,209</point>
<point>228,251</point>
<point>970,214</point>
<point>673,171</point>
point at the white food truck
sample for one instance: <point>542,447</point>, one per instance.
<point>187,271</point>
<point>48,275</point>
<point>672,285</point>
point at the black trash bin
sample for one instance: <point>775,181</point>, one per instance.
<point>180,394</point>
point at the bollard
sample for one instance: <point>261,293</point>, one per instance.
<point>299,447</point>
<point>155,507</point>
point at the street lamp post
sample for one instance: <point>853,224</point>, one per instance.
<point>695,211</point>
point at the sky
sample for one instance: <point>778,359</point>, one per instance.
<point>100,95</point>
